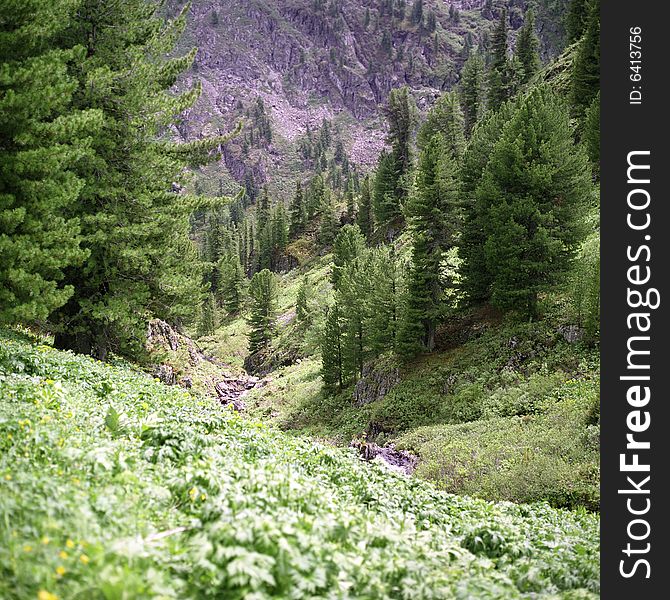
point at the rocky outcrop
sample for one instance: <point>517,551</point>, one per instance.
<point>377,381</point>
<point>398,460</point>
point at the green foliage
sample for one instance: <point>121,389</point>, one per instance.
<point>385,203</point>
<point>586,69</point>
<point>364,216</point>
<point>43,136</point>
<point>134,226</point>
<point>585,288</point>
<point>445,118</point>
<point>472,91</point>
<point>331,350</point>
<point>532,197</point>
<point>298,212</point>
<point>209,316</point>
<point>576,19</point>
<point>262,310</point>
<point>233,283</point>
<point>527,48</point>
<point>349,244</point>
<point>591,135</point>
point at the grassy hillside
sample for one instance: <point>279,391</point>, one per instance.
<point>115,486</point>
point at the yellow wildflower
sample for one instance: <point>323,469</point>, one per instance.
<point>69,544</point>
<point>203,496</point>
<point>62,554</point>
<point>60,570</point>
<point>44,595</point>
<point>8,477</point>
<point>45,540</point>
<point>193,493</point>
<point>84,559</point>
<point>27,548</point>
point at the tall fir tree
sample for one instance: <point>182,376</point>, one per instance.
<point>209,316</point>
<point>401,114</point>
<point>534,187</point>
<point>298,212</point>
<point>591,137</point>
<point>445,118</point>
<point>232,283</point>
<point>131,216</point>
<point>528,48</point>
<point>329,223</point>
<point>364,216</point>
<point>498,90</point>
<point>331,351</point>
<point>302,304</point>
<point>575,21</point>
<point>262,310</point>
<point>349,245</point>
<point>42,138</point>
<point>435,218</point>
<point>472,91</point>
<point>586,69</point>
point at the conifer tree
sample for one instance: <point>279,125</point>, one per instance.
<point>527,48</point>
<point>131,216</point>
<point>477,278</point>
<point>381,306</point>
<point>575,22</point>
<point>262,310</point>
<point>331,351</point>
<point>42,137</point>
<point>445,118</point>
<point>498,90</point>
<point>534,187</point>
<point>232,283</point>
<point>586,70</point>
<point>401,114</point>
<point>349,245</point>
<point>302,304</point>
<point>351,297</point>
<point>434,213</point>
<point>364,218</point>
<point>263,209</point>
<point>329,223</point>
<point>209,319</point>
<point>385,203</point>
<point>297,212</point>
<point>316,196</point>
<point>472,91</point>
<point>591,135</point>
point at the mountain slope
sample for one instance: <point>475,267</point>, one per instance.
<point>113,485</point>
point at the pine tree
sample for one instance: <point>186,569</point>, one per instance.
<point>349,245</point>
<point>591,135</point>
<point>472,92</point>
<point>331,351</point>
<point>263,209</point>
<point>316,196</point>
<point>302,303</point>
<point>232,283</point>
<point>586,70</point>
<point>209,319</point>
<point>534,186</point>
<point>329,223</point>
<point>445,118</point>
<point>381,306</point>
<point>434,213</point>
<point>364,218</point>
<point>498,90</point>
<point>401,114</point>
<point>42,137</point>
<point>132,218</point>
<point>352,291</point>
<point>385,203</point>
<point>477,279</point>
<point>575,22</point>
<point>297,212</point>
<point>262,310</point>
<point>527,48</point>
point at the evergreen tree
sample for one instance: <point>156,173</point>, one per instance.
<point>349,245</point>
<point>445,118</point>
<point>280,227</point>
<point>591,135</point>
<point>133,221</point>
<point>401,114</point>
<point>209,320</point>
<point>575,22</point>
<point>331,351</point>
<point>498,90</point>
<point>329,223</point>
<point>527,48</point>
<point>351,202</point>
<point>316,196</point>
<point>263,209</point>
<point>434,212</point>
<point>586,70</point>
<point>534,187</point>
<point>42,137</point>
<point>232,283</point>
<point>262,310</point>
<point>472,91</point>
<point>302,304</point>
<point>477,279</point>
<point>381,306</point>
<point>351,296</point>
<point>385,203</point>
<point>364,218</point>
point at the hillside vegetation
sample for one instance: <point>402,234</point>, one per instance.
<point>156,493</point>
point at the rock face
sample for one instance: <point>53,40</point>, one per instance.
<point>310,60</point>
<point>376,382</point>
<point>183,363</point>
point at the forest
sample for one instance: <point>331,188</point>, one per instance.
<point>319,377</point>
